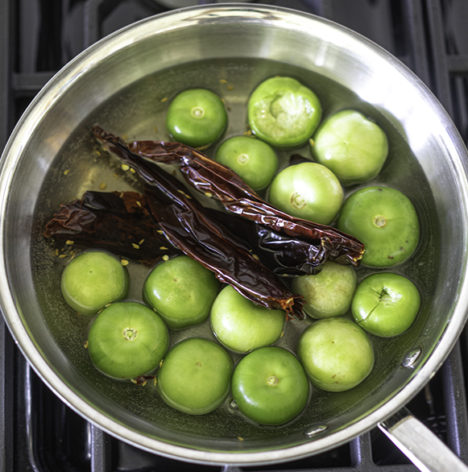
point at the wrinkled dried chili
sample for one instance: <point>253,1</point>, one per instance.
<point>118,222</point>
<point>214,179</point>
<point>190,228</point>
<point>283,254</point>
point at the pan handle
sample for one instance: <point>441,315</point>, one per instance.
<point>425,450</point>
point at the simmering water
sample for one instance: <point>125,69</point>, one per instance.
<point>138,112</point>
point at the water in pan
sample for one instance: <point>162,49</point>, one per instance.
<point>139,112</point>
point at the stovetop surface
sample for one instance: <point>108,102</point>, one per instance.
<point>37,37</point>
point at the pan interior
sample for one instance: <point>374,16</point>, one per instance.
<point>138,112</point>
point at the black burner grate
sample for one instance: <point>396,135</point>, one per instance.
<point>37,37</point>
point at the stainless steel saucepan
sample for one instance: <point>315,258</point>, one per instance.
<point>124,83</point>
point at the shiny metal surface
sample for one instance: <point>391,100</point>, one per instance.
<point>113,82</point>
<point>421,445</point>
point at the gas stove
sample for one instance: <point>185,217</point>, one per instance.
<point>37,37</point>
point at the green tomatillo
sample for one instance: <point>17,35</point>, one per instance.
<point>196,117</point>
<point>283,112</point>
<point>328,293</point>
<point>92,280</point>
<point>242,326</point>
<point>352,146</point>
<point>126,340</point>
<point>195,376</point>
<point>336,354</point>
<point>308,190</point>
<point>385,221</point>
<point>253,160</point>
<point>386,304</point>
<point>270,386</point>
<point>181,290</point>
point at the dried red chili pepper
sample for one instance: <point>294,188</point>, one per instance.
<point>216,180</point>
<point>283,254</point>
<point>190,228</point>
<point>119,221</point>
<point>116,221</point>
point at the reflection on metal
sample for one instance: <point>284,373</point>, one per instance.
<point>411,358</point>
<point>311,432</point>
